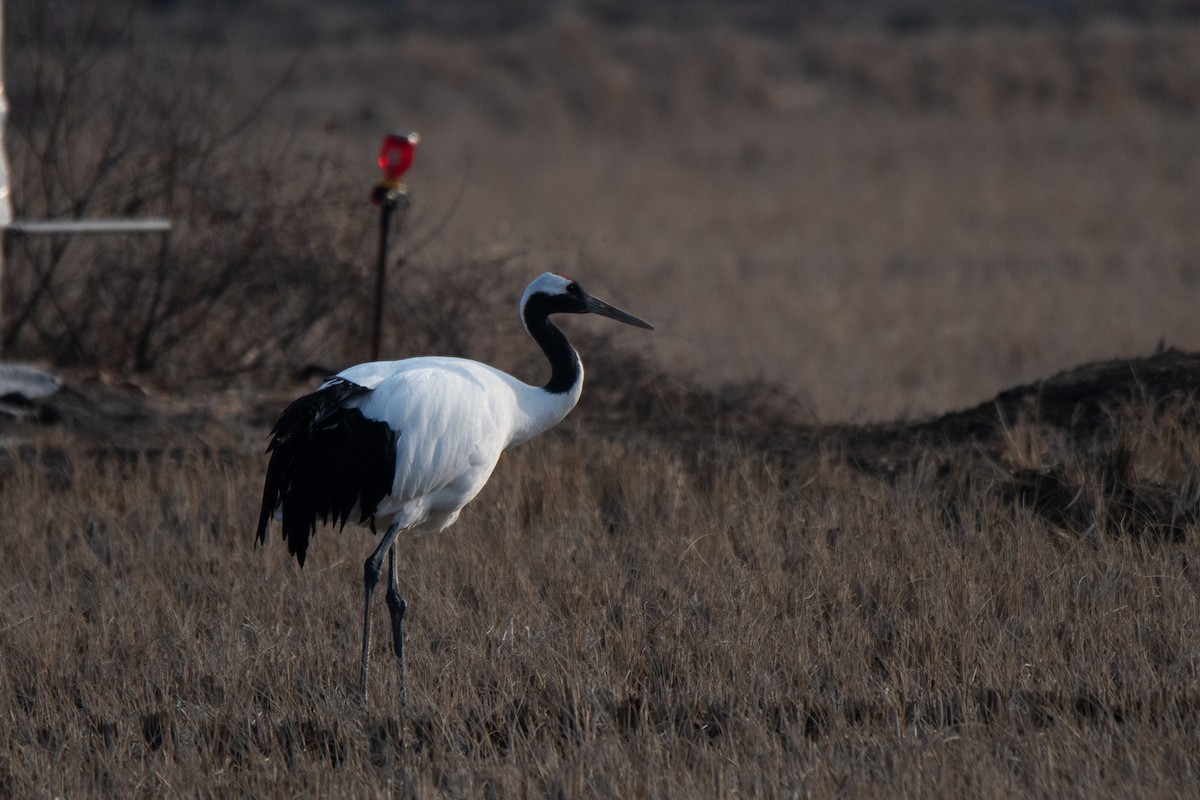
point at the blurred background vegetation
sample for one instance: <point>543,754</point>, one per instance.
<point>885,208</point>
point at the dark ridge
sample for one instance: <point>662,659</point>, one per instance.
<point>325,460</point>
<point>630,394</point>
<point>1081,400</point>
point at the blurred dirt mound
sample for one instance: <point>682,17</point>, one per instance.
<point>1082,400</point>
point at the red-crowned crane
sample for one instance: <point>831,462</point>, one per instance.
<point>408,443</point>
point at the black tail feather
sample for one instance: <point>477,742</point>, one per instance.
<point>325,460</point>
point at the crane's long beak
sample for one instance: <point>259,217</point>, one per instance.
<point>605,310</point>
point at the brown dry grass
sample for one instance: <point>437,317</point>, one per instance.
<point>618,615</point>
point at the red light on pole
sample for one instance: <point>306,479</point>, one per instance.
<point>391,195</point>
<point>396,156</point>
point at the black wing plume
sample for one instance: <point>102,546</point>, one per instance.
<point>325,459</point>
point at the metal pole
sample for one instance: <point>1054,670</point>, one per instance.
<point>387,208</point>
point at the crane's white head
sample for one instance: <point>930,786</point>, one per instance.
<point>551,293</point>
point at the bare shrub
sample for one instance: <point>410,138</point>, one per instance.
<point>103,125</point>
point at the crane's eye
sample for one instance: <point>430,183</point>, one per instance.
<point>573,288</point>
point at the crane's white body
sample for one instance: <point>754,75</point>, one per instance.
<point>453,417</point>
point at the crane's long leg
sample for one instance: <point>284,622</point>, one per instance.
<point>397,606</point>
<point>371,571</point>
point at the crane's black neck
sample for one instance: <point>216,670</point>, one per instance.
<point>564,361</point>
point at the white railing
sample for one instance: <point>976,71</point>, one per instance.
<point>89,226</point>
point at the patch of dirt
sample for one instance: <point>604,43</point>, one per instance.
<point>98,411</point>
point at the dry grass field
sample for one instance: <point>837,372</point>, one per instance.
<point>831,530</point>
<point>983,606</point>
